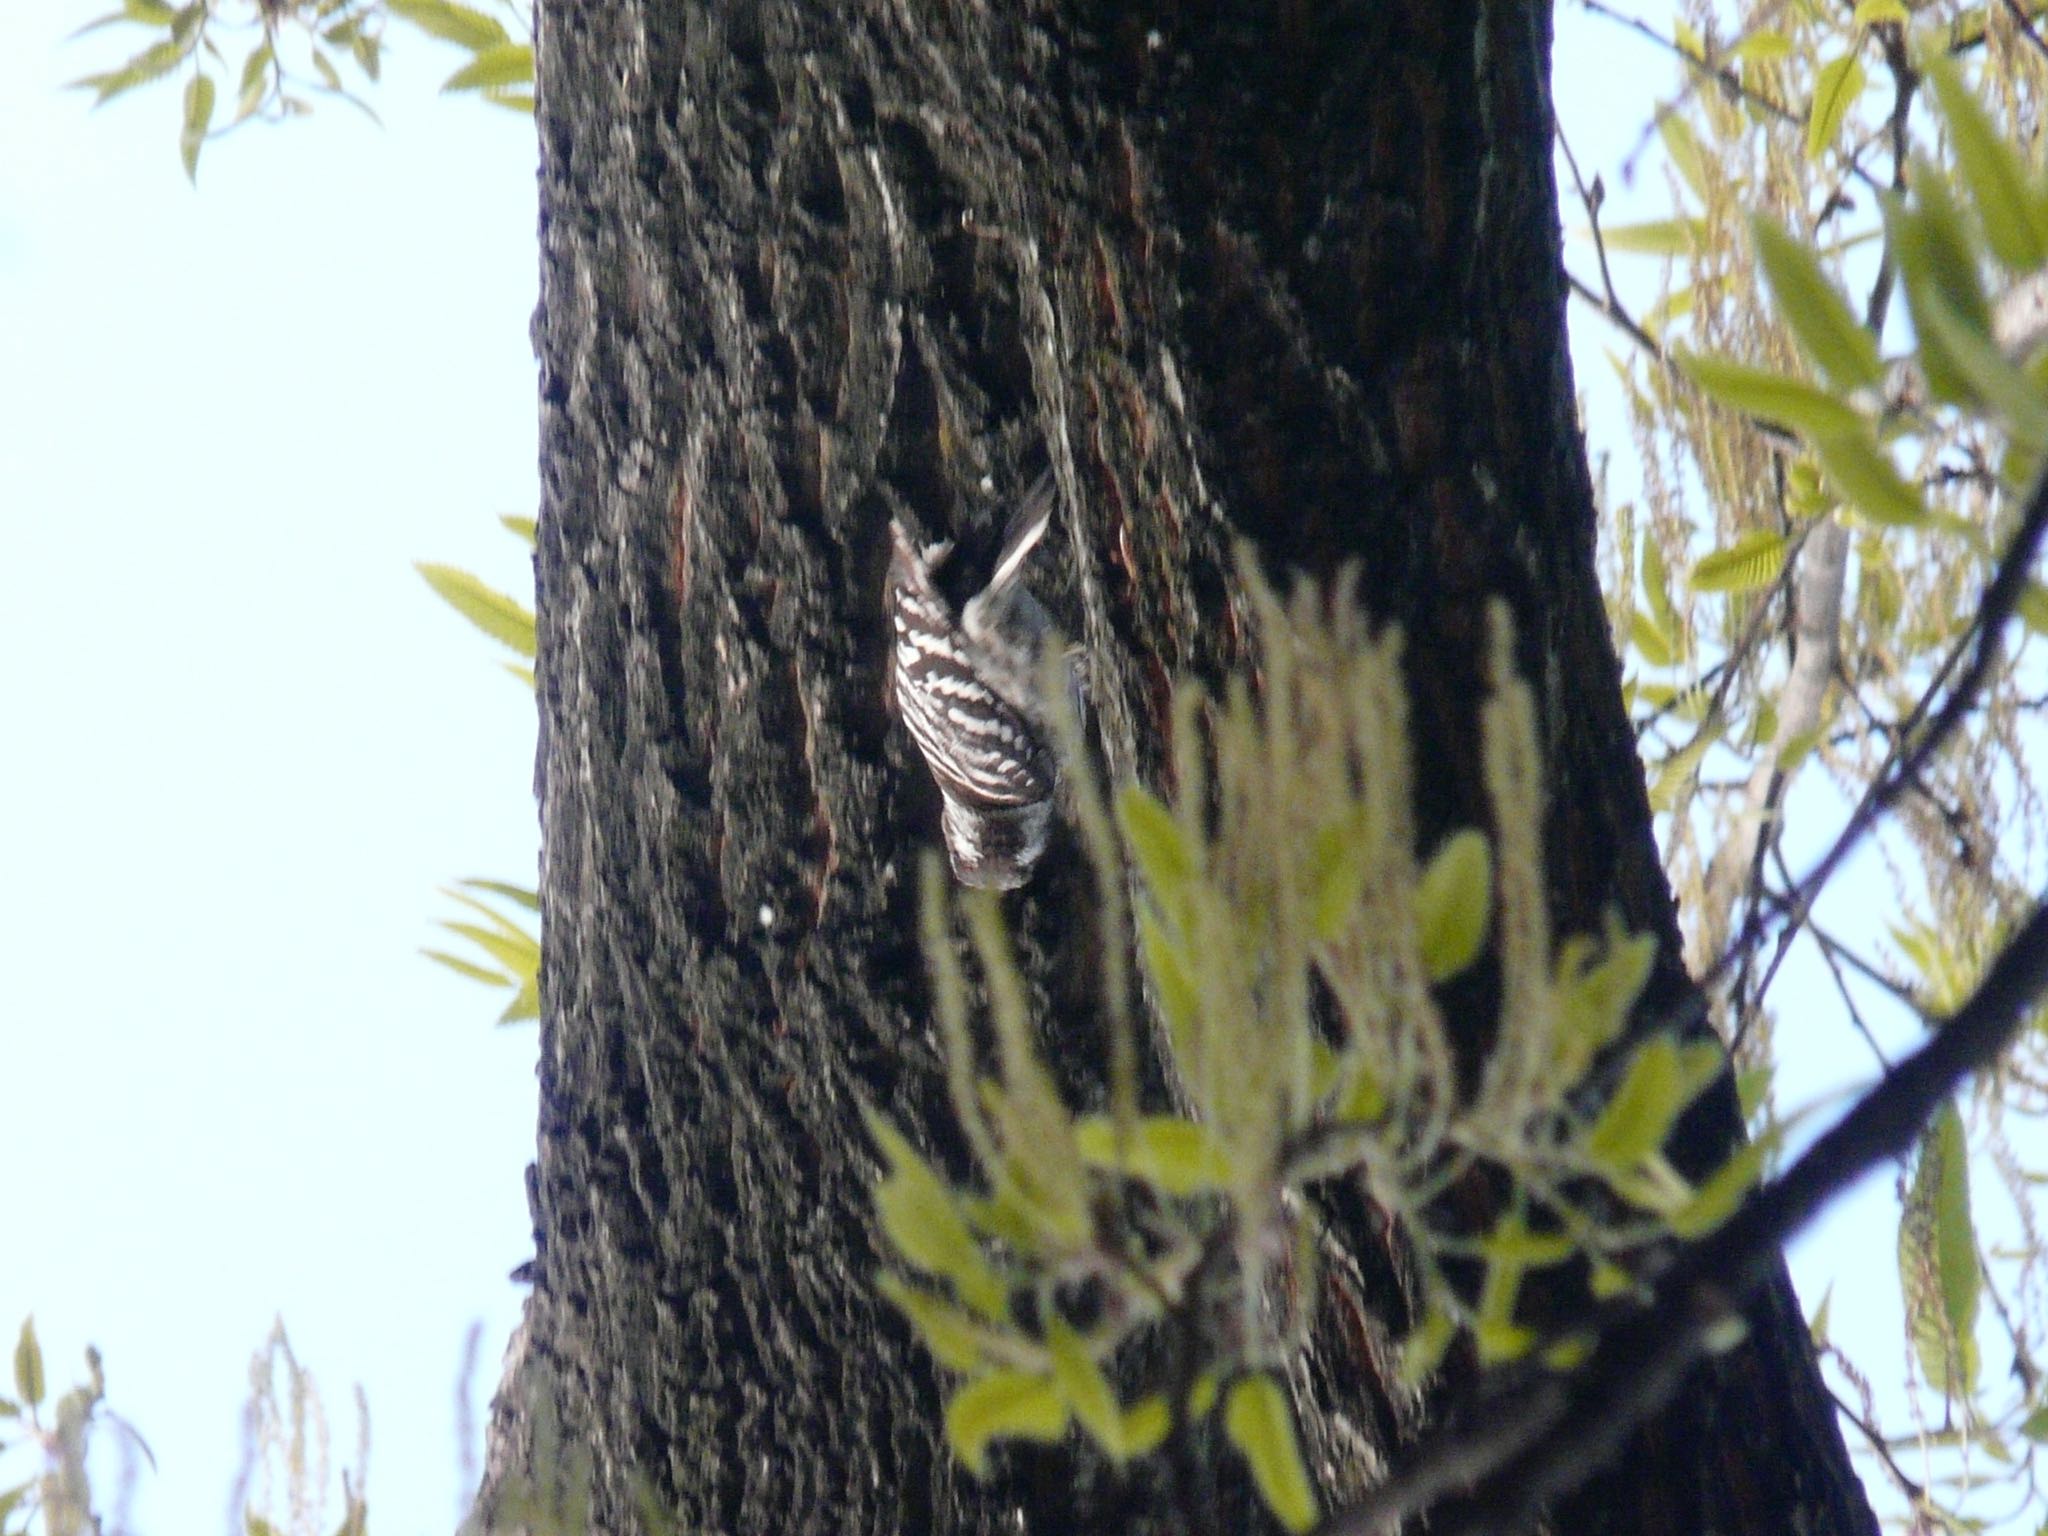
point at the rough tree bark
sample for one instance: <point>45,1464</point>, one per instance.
<point>1287,270</point>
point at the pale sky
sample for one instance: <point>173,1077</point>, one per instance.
<point>247,745</point>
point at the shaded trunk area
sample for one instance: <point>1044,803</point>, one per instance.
<point>1286,272</point>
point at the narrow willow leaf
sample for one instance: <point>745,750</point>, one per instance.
<point>1749,563</point>
<point>1651,643</point>
<point>1257,1420</point>
<point>505,64</point>
<point>465,968</point>
<point>1835,89</point>
<point>1657,588</point>
<point>2035,1426</point>
<point>1086,1390</point>
<point>503,618</point>
<point>28,1365</point>
<point>255,82</point>
<point>525,1004</point>
<point>1935,257</point>
<point>525,527</point>
<point>1002,1404</point>
<point>1986,375</point>
<point>1820,318</point>
<point>1685,152</point>
<point>452,23</point>
<point>1794,403</point>
<point>1870,13</point>
<point>199,91</point>
<point>516,952</point>
<point>525,897</point>
<point>154,62</point>
<point>1938,1257</point>
<point>1676,771</point>
<point>1454,904</point>
<point>1656,237</point>
<point>1863,476</point>
<point>1992,169</point>
<point>1174,1156</point>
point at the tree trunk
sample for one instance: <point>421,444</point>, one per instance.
<point>1286,271</point>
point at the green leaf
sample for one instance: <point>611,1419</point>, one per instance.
<point>1657,588</point>
<point>453,23</point>
<point>525,1003</point>
<point>1986,376</point>
<point>505,64</point>
<point>1454,904</point>
<point>1835,89</point>
<point>1992,169</point>
<point>1175,1156</point>
<point>1684,152</point>
<point>255,81</point>
<point>1638,1118</point>
<point>1935,257</point>
<point>1155,841</point>
<point>1938,1257</point>
<point>1817,1327</point>
<point>1820,318</point>
<point>524,896</point>
<point>1714,1201</point>
<point>1656,237</point>
<point>1146,1425</point>
<point>1166,963</point>
<point>1257,1420</point>
<point>154,62</point>
<point>1002,1404</point>
<point>1870,13</point>
<point>151,13</point>
<point>28,1365</point>
<point>1863,476</point>
<point>198,118</point>
<point>2033,607</point>
<point>920,1217</point>
<point>1086,1390</point>
<point>465,968</point>
<point>1338,871</point>
<point>2035,1426</point>
<point>1751,562</point>
<point>1794,403</point>
<point>1651,643</point>
<point>525,527</point>
<point>953,1337</point>
<point>502,618</point>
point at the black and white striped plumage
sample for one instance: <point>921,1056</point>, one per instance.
<point>967,689</point>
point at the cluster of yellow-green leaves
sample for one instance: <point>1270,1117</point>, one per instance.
<point>291,51</point>
<point>1284,869</point>
<point>1846,415</point>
